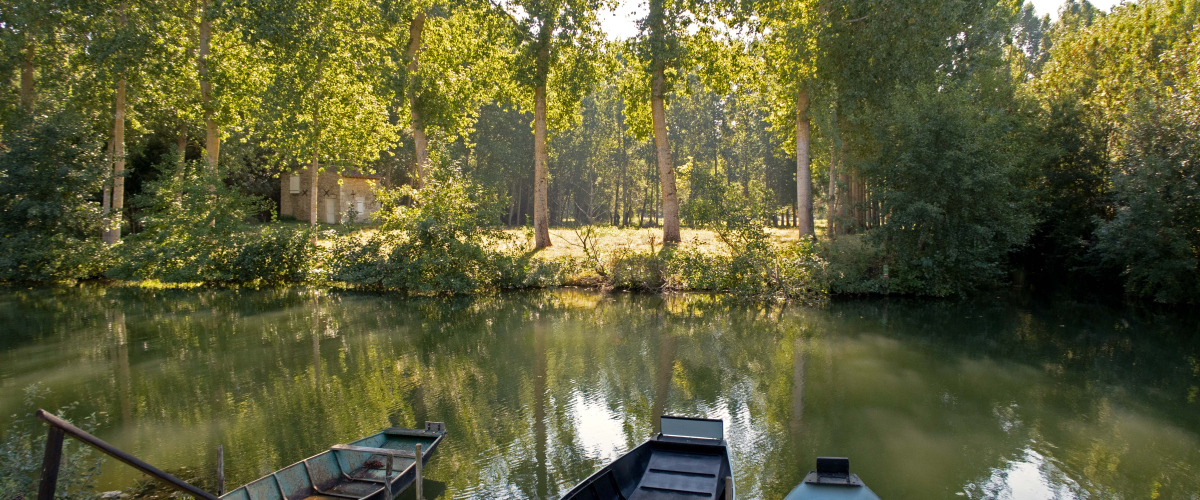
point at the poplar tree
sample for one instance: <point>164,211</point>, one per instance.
<point>674,37</point>
<point>856,53</point>
<point>557,49</point>
<point>121,45</point>
<point>321,102</point>
<point>447,58</point>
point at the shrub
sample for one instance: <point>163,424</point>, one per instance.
<point>1152,236</point>
<point>954,192</point>
<point>24,444</point>
<point>855,265</point>
<point>633,270</point>
<point>50,167</point>
<point>275,255</point>
<point>763,271</point>
<point>196,230</point>
<point>439,239</point>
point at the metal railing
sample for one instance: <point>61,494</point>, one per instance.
<point>59,428</point>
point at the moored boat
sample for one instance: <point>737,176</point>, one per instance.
<point>687,460</point>
<point>832,481</point>
<point>377,467</point>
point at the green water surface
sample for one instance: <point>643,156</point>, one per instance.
<point>929,399</point>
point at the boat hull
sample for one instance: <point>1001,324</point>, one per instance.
<point>663,468</point>
<point>353,471</point>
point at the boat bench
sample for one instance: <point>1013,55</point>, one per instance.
<point>679,475</point>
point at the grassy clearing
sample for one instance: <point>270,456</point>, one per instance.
<point>568,242</point>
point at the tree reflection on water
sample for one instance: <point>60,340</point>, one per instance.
<point>538,390</point>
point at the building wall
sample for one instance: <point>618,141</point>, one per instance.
<point>356,193</point>
<point>331,195</point>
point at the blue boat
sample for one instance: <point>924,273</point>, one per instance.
<point>832,481</point>
<point>377,467</point>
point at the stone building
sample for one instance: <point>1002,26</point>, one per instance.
<point>337,194</point>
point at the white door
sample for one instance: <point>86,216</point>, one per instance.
<point>330,211</point>
<point>358,207</point>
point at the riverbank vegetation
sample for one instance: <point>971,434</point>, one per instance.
<point>926,148</point>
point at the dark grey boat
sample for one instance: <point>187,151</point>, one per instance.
<point>688,460</point>
<point>832,481</point>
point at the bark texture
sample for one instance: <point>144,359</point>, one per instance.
<point>831,208</point>
<point>666,168</point>
<point>804,202</point>
<point>112,228</point>
<point>420,141</point>
<point>212,135</point>
<point>314,176</point>
<point>541,212</point>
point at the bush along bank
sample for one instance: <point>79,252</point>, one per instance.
<point>442,239</point>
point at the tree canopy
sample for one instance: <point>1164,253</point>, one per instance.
<point>957,144</point>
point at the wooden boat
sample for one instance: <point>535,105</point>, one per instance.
<point>832,480</point>
<point>359,470</point>
<point>688,460</point>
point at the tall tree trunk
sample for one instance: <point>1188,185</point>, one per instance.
<point>845,222</point>
<point>864,208</point>
<point>27,75</point>
<point>212,135</point>
<point>804,204</point>
<point>112,228</point>
<point>181,140</point>
<point>831,202</point>
<point>314,177</point>
<point>106,193</point>
<point>625,212</point>
<point>420,141</point>
<point>541,212</point>
<point>666,168</point>
<point>642,212</point>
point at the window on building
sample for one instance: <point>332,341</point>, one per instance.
<point>295,184</point>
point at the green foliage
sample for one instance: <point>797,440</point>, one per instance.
<point>274,255</point>
<point>632,270</point>
<point>438,239</point>
<point>195,230</point>
<point>954,191</point>
<point>324,98</point>
<point>855,266</point>
<point>761,271</point>
<point>24,444</point>
<point>1153,236</point>
<point>736,212</point>
<point>50,169</point>
<point>1112,132</point>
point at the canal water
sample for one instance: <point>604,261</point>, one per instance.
<point>929,399</point>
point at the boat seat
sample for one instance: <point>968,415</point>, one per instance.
<point>679,475</point>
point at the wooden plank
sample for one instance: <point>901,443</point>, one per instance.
<point>397,431</point>
<point>703,485</point>
<point>375,451</point>
<point>50,463</point>
<point>685,462</point>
